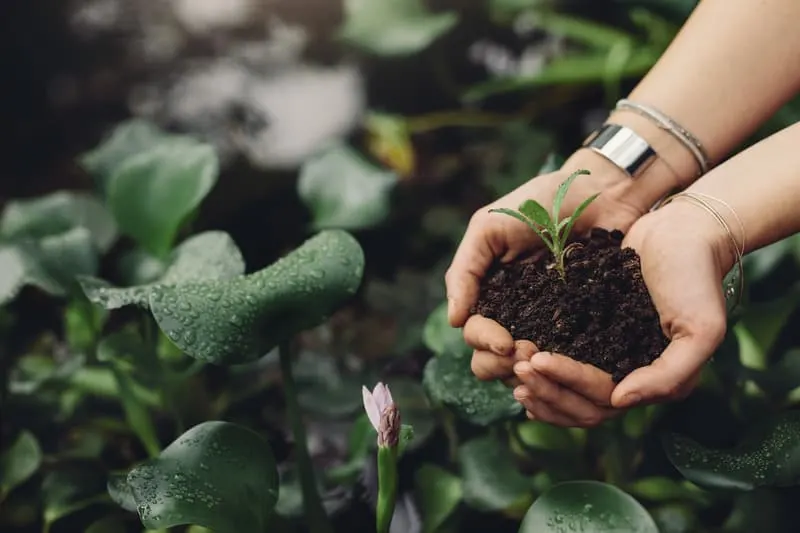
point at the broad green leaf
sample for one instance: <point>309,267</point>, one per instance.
<point>50,264</point>
<point>19,462</point>
<point>439,492</point>
<point>120,491</point>
<point>211,255</point>
<point>238,320</point>
<point>662,489</point>
<point>522,218</point>
<point>449,380</point>
<point>769,455</point>
<point>536,212</point>
<point>57,213</point>
<point>782,377</point>
<point>217,475</point>
<point>574,217</point>
<point>562,191</point>
<point>71,489</point>
<point>439,336</point>
<point>492,481</point>
<point>152,193</point>
<point>343,190</point>
<point>399,27</point>
<point>127,139</point>
<point>587,506</point>
<point>542,436</point>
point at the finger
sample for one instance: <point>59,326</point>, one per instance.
<point>487,365</point>
<point>585,379</point>
<point>576,407</point>
<point>485,334</point>
<point>538,410</point>
<point>462,279</point>
<point>670,377</point>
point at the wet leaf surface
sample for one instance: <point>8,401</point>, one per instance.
<point>241,319</point>
<point>768,456</point>
<point>449,380</point>
<point>492,480</point>
<point>217,475</point>
<point>587,506</point>
<point>210,255</point>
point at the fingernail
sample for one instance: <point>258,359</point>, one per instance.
<point>521,393</point>
<point>631,399</point>
<point>522,368</point>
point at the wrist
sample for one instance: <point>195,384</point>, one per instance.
<point>672,169</point>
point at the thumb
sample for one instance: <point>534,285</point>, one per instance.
<point>670,377</point>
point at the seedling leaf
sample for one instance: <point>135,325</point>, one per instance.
<point>574,217</point>
<point>561,192</point>
<point>537,213</point>
<point>522,218</point>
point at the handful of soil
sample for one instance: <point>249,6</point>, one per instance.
<point>601,313</point>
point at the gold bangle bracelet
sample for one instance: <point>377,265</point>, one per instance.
<point>737,275</point>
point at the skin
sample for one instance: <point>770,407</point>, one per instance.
<point>727,54</point>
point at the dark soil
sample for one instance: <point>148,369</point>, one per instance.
<point>601,314</point>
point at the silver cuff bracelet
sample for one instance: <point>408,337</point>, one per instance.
<point>623,147</point>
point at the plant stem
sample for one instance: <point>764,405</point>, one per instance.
<point>387,488</point>
<point>315,512</point>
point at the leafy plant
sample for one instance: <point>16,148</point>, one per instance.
<point>553,231</point>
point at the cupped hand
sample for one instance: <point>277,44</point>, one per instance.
<point>491,236</point>
<point>684,256</point>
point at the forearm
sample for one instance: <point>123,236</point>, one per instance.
<point>732,65</point>
<point>762,185</point>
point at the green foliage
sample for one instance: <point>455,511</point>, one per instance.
<point>768,456</point>
<point>396,28</point>
<point>19,462</point>
<point>439,492</point>
<point>342,190</point>
<point>217,475</point>
<point>238,320</point>
<point>584,505</point>
<point>553,231</point>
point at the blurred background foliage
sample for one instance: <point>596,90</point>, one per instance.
<point>394,120</point>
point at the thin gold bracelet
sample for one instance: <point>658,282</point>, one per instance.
<point>700,200</point>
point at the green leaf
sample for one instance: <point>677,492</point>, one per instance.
<point>662,489</point>
<point>127,139</point>
<point>211,255</point>
<point>439,336</point>
<point>238,320</point>
<point>152,193</point>
<point>439,493</point>
<point>769,455</point>
<point>342,190</point>
<point>587,506</point>
<point>71,489</point>
<point>586,32</point>
<point>561,192</point>
<point>492,481</point>
<point>567,70</point>
<point>57,213</point>
<point>450,381</point>
<point>574,218</point>
<point>108,524</point>
<point>542,436</point>
<point>536,212</point>
<point>399,27</point>
<point>217,475</point>
<point>19,462</point>
<point>525,220</point>
<point>120,491</point>
<point>14,265</point>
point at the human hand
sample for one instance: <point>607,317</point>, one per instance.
<point>684,256</point>
<point>490,237</point>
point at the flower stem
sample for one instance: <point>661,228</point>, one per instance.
<point>315,512</point>
<point>387,487</point>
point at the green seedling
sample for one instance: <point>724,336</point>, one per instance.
<point>553,232</point>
